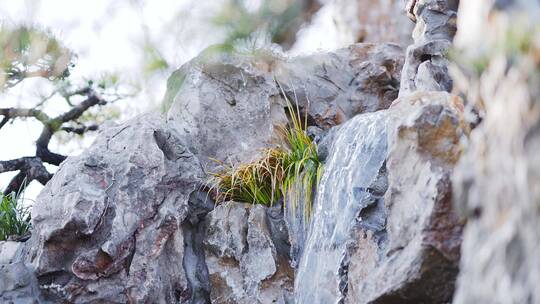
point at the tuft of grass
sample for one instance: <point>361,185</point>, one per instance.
<point>14,218</point>
<point>290,171</point>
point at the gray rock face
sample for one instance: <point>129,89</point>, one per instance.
<point>215,97</point>
<point>109,226</point>
<point>11,251</point>
<point>426,65</point>
<point>18,284</point>
<point>383,229</point>
<point>334,87</point>
<point>243,262</point>
<point>497,180</point>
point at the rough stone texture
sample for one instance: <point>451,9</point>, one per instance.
<point>335,87</point>
<point>130,220</point>
<point>213,98</point>
<point>242,259</point>
<point>108,225</point>
<point>497,180</point>
<point>426,64</point>
<point>18,284</point>
<point>383,230</point>
<point>126,220</point>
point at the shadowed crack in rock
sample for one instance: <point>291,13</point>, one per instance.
<point>194,263</point>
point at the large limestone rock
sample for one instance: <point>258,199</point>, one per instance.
<point>423,236</point>
<point>113,224</point>
<point>497,181</point>
<point>126,220</point>
<point>244,263</point>
<point>227,106</point>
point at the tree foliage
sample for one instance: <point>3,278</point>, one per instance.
<point>275,21</point>
<point>27,52</point>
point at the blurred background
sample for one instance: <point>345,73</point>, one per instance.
<point>59,55</point>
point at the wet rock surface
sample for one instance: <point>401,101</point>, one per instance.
<point>389,234</point>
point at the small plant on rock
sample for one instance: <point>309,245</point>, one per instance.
<point>289,171</point>
<point>14,218</point>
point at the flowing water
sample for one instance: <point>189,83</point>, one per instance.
<point>354,163</point>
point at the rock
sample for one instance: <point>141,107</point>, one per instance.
<point>17,280</point>
<point>242,259</point>
<point>334,87</point>
<point>213,98</point>
<point>126,220</point>
<point>131,220</point>
<point>497,180</point>
<point>218,97</point>
<point>11,251</point>
<point>426,65</point>
<point>384,230</point>
<point>18,284</point>
<point>418,261</point>
<point>110,225</point>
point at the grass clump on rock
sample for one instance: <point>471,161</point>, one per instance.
<point>14,218</point>
<point>290,171</point>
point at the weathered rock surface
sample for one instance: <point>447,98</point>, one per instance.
<point>334,87</point>
<point>18,284</point>
<point>131,226</point>
<point>242,259</point>
<point>125,221</point>
<point>10,250</point>
<point>426,65</point>
<point>213,98</point>
<point>497,180</point>
<point>109,226</point>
